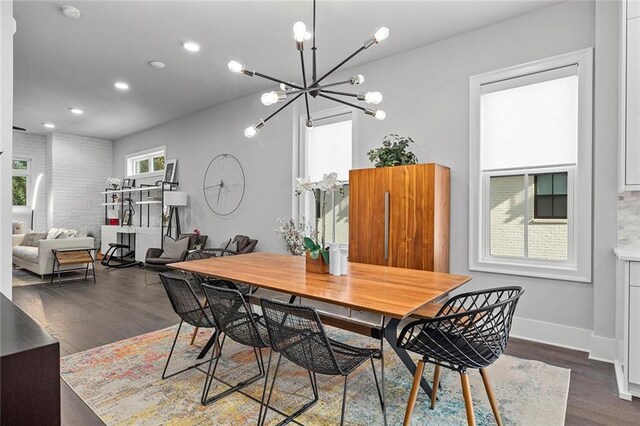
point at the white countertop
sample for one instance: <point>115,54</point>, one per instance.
<point>629,254</point>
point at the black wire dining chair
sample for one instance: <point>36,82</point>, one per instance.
<point>296,332</point>
<point>470,331</point>
<point>234,318</point>
<point>185,303</point>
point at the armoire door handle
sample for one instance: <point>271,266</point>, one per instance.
<point>386,225</point>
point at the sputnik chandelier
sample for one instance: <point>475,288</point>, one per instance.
<point>290,92</point>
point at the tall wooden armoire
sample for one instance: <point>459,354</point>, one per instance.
<point>399,216</point>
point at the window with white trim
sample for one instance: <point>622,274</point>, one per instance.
<point>20,181</point>
<point>146,163</point>
<point>328,147</point>
<point>530,169</point>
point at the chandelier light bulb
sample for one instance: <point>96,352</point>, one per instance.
<point>373,98</point>
<point>380,114</point>
<point>299,31</point>
<point>250,132</point>
<point>307,35</point>
<point>381,34</point>
<point>356,79</point>
<point>269,98</point>
<point>235,66</point>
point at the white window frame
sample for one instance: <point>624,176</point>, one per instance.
<point>303,162</point>
<point>579,204</point>
<point>149,154</point>
<point>27,173</point>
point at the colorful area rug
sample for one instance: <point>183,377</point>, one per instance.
<point>122,385</point>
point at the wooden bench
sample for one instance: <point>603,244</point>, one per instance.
<point>72,257</point>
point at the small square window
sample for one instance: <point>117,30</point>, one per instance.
<point>550,200</point>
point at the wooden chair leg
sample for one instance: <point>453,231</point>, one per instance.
<point>193,336</point>
<point>195,331</point>
<point>492,398</point>
<point>436,383</point>
<point>414,392</point>
<point>468,403</point>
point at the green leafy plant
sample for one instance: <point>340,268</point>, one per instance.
<point>393,152</point>
<point>316,250</point>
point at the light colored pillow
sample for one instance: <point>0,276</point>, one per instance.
<point>53,233</point>
<point>18,227</point>
<point>173,249</point>
<point>81,233</point>
<point>62,236</point>
<point>71,233</point>
<point>33,239</point>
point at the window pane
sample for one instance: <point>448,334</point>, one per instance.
<point>507,198</point>
<point>329,150</point>
<point>20,164</point>
<point>544,184</point>
<point>560,183</point>
<point>158,163</point>
<point>560,206</point>
<point>142,166</point>
<point>544,206</point>
<point>19,190</point>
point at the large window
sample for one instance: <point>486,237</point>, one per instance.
<point>146,163</point>
<point>21,169</point>
<point>530,211</point>
<point>327,147</point>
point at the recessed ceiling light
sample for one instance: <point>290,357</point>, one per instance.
<point>121,85</point>
<point>157,65</point>
<point>191,46</point>
<point>71,12</point>
<point>76,111</point>
<point>49,125</point>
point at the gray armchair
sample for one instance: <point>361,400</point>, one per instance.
<point>155,262</point>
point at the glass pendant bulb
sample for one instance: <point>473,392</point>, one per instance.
<point>373,98</point>
<point>251,131</point>
<point>269,98</point>
<point>356,79</point>
<point>381,34</point>
<point>299,31</point>
<point>235,66</point>
<point>380,114</point>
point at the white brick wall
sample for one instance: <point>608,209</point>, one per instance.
<point>548,238</point>
<point>79,168</point>
<point>33,147</point>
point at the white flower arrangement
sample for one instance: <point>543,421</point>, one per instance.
<point>292,235</point>
<point>114,181</point>
<point>328,184</point>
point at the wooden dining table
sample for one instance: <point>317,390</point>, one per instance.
<point>392,293</point>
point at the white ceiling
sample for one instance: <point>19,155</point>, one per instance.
<point>62,63</point>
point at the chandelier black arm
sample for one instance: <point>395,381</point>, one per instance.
<point>304,82</point>
<point>339,65</point>
<point>313,49</point>
<point>277,80</point>
<point>335,92</point>
<point>317,88</point>
<point>342,102</point>
<point>281,108</point>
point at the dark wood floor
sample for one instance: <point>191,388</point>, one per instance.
<point>82,315</point>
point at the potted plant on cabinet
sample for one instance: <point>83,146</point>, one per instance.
<point>393,152</point>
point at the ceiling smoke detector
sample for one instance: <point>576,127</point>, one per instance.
<point>71,12</point>
<point>157,65</point>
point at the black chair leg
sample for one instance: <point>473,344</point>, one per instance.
<point>299,411</point>
<point>344,400</point>
<point>264,389</point>
<point>206,400</point>
<point>164,372</point>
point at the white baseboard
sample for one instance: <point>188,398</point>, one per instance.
<point>580,339</point>
<point>602,349</point>
<point>622,392</point>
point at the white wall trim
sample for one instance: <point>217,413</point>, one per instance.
<point>564,336</point>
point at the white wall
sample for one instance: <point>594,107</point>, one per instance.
<point>33,147</point>
<point>79,168</point>
<point>7,29</point>
<point>426,97</point>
